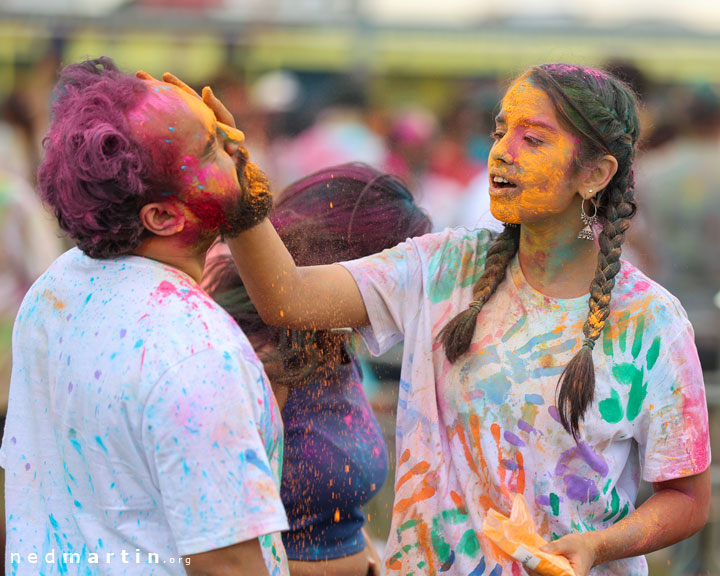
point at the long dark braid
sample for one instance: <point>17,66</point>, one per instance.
<point>457,334</point>
<point>576,388</point>
<point>602,111</point>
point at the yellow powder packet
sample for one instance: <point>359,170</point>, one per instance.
<point>516,536</point>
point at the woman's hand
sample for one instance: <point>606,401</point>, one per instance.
<point>234,138</point>
<point>579,549</point>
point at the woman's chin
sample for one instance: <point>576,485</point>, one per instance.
<point>504,214</point>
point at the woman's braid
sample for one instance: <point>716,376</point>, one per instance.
<point>617,124</point>
<point>457,335</point>
<point>576,389</point>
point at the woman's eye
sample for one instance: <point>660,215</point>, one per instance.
<point>497,134</point>
<point>533,141</point>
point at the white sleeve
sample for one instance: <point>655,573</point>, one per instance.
<point>672,430</point>
<point>203,429</point>
<point>391,285</point>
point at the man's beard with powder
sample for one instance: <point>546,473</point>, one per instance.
<point>251,207</point>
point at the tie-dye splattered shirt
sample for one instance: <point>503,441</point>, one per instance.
<point>472,434</point>
<point>140,420</point>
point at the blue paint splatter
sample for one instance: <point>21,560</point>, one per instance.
<point>479,570</point>
<point>252,458</point>
<point>100,443</point>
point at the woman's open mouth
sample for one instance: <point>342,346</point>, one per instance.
<point>500,184</point>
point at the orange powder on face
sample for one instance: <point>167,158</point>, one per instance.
<point>535,153</point>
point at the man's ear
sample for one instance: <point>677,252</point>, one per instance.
<point>598,176</point>
<point>163,218</point>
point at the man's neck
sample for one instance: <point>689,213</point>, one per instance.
<point>173,252</point>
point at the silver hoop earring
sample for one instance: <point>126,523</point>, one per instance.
<point>510,225</point>
<point>589,221</point>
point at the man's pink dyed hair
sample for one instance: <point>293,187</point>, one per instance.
<point>95,176</point>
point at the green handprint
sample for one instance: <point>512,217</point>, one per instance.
<point>628,373</point>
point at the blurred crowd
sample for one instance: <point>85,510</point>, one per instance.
<point>295,126</point>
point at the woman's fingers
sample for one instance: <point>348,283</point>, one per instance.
<point>172,79</point>
<point>233,137</point>
<point>143,75</point>
<point>221,112</point>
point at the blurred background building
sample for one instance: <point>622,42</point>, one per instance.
<point>409,86</point>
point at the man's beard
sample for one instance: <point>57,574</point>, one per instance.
<point>253,204</point>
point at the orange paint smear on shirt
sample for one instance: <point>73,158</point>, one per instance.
<point>475,430</point>
<point>458,501</point>
<point>468,455</point>
<point>57,304</point>
<point>424,543</point>
<point>419,468</point>
<point>423,494</point>
<point>495,430</point>
<point>521,472</point>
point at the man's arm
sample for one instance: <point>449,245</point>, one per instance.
<point>677,509</point>
<point>244,558</point>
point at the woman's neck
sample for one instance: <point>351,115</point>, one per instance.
<point>554,261</point>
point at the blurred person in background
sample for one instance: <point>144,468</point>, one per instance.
<point>446,182</point>
<point>410,138</point>
<point>678,183</point>
<point>335,459</point>
<point>340,133</point>
<point>679,186</point>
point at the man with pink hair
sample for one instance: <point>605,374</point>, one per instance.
<point>142,435</point>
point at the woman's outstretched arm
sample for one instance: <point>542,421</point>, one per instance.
<point>311,297</point>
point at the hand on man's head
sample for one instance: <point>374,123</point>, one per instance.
<point>234,137</point>
<point>255,202</point>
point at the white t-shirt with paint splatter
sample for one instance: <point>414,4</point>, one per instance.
<point>141,426</point>
<point>472,434</point>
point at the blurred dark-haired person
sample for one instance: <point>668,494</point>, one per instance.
<point>335,458</point>
<point>142,435</point>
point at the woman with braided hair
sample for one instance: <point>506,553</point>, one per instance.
<point>510,385</point>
